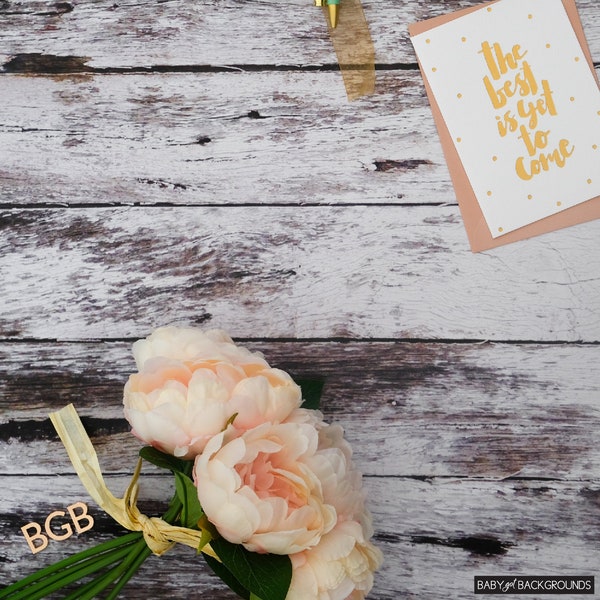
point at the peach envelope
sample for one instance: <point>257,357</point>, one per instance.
<point>478,232</point>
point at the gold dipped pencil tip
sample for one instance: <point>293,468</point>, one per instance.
<point>333,15</point>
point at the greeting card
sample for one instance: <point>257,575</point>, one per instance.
<point>517,104</point>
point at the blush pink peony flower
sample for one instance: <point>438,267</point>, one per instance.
<point>341,565</point>
<point>258,489</point>
<point>191,383</point>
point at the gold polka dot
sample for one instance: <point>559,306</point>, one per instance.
<point>595,146</point>
<point>529,197</point>
<point>530,16</point>
<point>577,59</point>
<point>489,193</point>
<point>428,41</point>
<point>459,96</point>
<point>434,69</point>
<point>548,46</point>
<point>589,181</point>
<point>559,204</point>
<point>494,158</point>
<point>459,140</point>
<point>572,98</point>
<point>463,39</point>
<point>489,9</point>
<point>500,229</point>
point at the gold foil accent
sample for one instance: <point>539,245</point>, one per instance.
<point>333,14</point>
<point>159,535</point>
<point>354,48</point>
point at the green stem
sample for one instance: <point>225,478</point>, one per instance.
<point>173,510</point>
<point>134,561</point>
<point>91,589</point>
<point>80,557</point>
<point>95,585</point>
<point>100,583</point>
<point>130,547</point>
<point>130,570</point>
<point>70,575</point>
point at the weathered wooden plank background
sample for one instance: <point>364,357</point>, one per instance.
<point>172,162</point>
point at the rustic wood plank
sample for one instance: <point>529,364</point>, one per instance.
<point>479,458</point>
<point>366,272</point>
<point>218,138</point>
<point>435,535</point>
<point>229,32</point>
<point>422,410</point>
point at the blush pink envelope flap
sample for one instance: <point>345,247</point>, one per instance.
<point>478,232</point>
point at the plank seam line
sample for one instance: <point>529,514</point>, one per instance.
<point>319,340</point>
<point>183,69</point>
<point>423,478</point>
<point>66,69</point>
<point>144,205</point>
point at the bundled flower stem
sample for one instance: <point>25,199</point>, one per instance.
<point>264,488</point>
<point>127,552</point>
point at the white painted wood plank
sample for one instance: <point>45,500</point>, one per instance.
<point>207,33</point>
<point>306,272</point>
<point>217,138</point>
<point>422,410</point>
<point>475,412</point>
<point>435,535</point>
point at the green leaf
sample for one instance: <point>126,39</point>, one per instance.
<point>205,538</point>
<point>312,389</point>
<point>191,510</point>
<point>254,597</point>
<point>267,576</point>
<point>166,461</point>
<point>221,571</point>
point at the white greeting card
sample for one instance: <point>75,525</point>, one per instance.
<point>522,106</point>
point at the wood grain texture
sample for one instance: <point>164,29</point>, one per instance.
<point>480,458</point>
<point>434,537</point>
<point>419,410</point>
<point>168,162</point>
<point>105,34</point>
<point>372,272</point>
<point>218,138</point>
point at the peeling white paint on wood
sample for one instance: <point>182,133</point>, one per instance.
<point>218,138</point>
<point>311,272</point>
<point>434,537</point>
<point>229,32</point>
<point>479,458</point>
<point>452,410</point>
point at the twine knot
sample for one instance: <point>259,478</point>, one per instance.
<point>154,536</point>
<point>159,535</point>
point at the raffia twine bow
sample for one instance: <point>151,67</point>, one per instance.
<point>159,535</point>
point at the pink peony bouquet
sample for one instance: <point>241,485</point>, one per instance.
<point>268,487</point>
